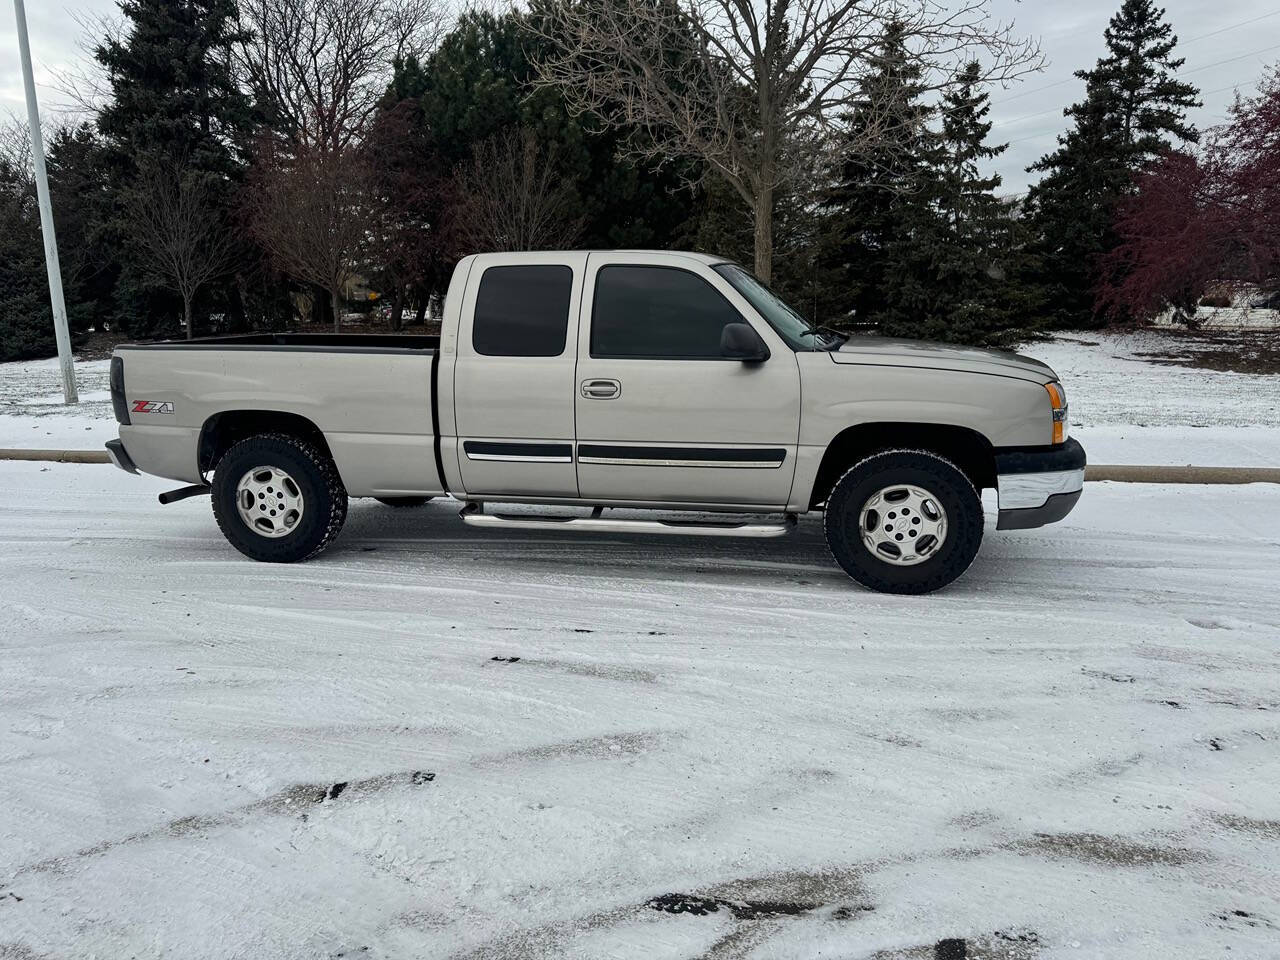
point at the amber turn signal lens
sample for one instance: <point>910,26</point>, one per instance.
<point>1058,401</point>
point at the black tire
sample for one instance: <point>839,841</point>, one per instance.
<point>944,481</point>
<point>311,469</point>
<point>403,501</point>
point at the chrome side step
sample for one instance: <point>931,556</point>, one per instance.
<point>473,514</point>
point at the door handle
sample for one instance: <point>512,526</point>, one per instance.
<point>601,389</point>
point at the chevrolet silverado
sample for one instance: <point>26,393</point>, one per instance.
<point>600,380</point>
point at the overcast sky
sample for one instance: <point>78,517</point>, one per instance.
<point>1226,43</point>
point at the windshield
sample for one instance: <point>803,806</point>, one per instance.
<point>789,325</point>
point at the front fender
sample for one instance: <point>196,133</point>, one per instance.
<point>1008,411</point>
<point>1005,411</point>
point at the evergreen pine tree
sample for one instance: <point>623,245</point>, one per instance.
<point>479,83</point>
<point>90,263</point>
<point>966,199</point>
<point>174,99</point>
<point>875,187</point>
<point>26,320</point>
<point>954,269</point>
<point>173,92</point>
<point>1134,108</point>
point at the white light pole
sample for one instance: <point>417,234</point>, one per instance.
<point>46,214</point>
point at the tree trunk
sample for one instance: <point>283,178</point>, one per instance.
<point>397,309</point>
<point>186,316</point>
<point>421,318</point>
<point>237,315</point>
<point>764,234</point>
<point>335,299</point>
<point>319,303</point>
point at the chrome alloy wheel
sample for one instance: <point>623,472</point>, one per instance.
<point>903,525</point>
<point>270,502</point>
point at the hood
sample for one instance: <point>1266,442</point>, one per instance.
<point>888,351</point>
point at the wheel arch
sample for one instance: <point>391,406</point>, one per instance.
<point>968,449</point>
<point>223,430</point>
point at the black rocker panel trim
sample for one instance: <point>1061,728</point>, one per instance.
<point>708,455</point>
<point>490,448</point>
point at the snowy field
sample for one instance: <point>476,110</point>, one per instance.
<point>1129,407</point>
<point>431,743</point>
<point>1126,406</point>
<point>33,416</point>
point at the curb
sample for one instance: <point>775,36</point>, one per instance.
<point>1118,473</point>
<point>1152,474</point>
<point>57,456</point>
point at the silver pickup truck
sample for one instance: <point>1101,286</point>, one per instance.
<point>621,379</point>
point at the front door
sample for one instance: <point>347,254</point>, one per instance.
<point>514,376</point>
<point>662,416</point>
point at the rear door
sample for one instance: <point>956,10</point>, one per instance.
<point>514,375</point>
<point>662,416</point>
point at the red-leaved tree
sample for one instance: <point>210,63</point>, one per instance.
<point>1202,219</point>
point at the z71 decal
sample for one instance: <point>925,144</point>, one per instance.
<point>152,406</point>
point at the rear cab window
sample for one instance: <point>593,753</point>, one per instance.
<point>522,311</point>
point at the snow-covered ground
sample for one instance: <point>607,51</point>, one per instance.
<point>32,414</point>
<point>1073,752</point>
<point>1126,407</point>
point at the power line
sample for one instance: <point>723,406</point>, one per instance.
<point>1184,43</point>
<point>1027,93</point>
<point>1231,86</point>
<point>1243,56</point>
<point>1183,73</point>
<point>1234,26</point>
<point>1209,93</point>
<point>1034,136</point>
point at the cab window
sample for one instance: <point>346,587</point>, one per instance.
<point>522,311</point>
<point>657,313</point>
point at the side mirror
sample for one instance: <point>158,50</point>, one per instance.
<point>739,341</point>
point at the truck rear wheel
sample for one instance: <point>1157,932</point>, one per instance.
<point>278,498</point>
<point>904,521</point>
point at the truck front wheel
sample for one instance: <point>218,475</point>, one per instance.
<point>278,498</point>
<point>904,521</point>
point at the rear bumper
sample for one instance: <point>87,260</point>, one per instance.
<point>160,451</point>
<point>1038,485</point>
<point>120,457</point>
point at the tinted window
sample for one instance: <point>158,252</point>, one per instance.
<point>522,311</point>
<point>657,312</point>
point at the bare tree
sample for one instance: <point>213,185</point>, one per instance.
<point>512,195</point>
<point>177,226</point>
<point>322,65</point>
<point>15,148</point>
<point>83,83</point>
<point>309,211</point>
<point>751,87</point>
<point>408,191</point>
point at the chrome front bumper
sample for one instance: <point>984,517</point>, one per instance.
<point>1038,485</point>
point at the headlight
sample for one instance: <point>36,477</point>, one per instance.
<point>1058,401</point>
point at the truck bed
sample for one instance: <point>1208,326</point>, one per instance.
<point>370,396</point>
